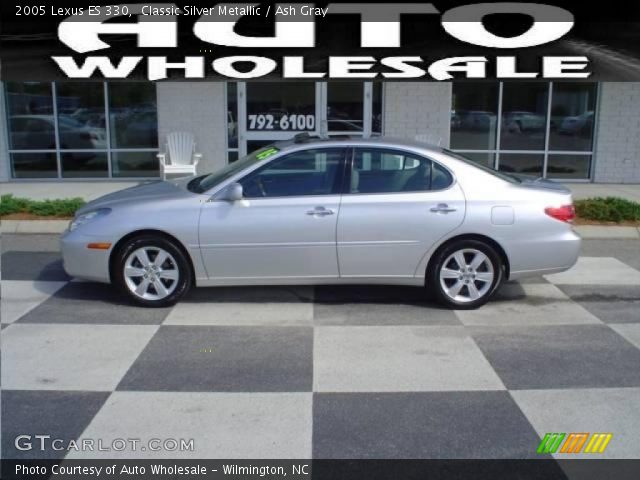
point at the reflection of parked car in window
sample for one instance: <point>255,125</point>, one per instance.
<point>37,132</point>
<point>477,120</point>
<point>577,125</point>
<point>142,129</point>
<point>518,122</point>
<point>91,117</point>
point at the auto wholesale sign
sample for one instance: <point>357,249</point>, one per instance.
<point>300,41</point>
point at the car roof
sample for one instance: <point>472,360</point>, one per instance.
<point>349,140</point>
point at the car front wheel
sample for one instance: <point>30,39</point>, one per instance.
<point>152,271</point>
<point>465,274</point>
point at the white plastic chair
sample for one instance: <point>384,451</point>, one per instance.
<point>180,157</point>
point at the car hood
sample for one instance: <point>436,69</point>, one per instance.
<point>159,190</point>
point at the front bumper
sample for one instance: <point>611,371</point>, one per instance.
<point>82,262</point>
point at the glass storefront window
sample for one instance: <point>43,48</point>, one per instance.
<point>233,127</point>
<point>232,115</point>
<point>133,117</point>
<point>528,164</point>
<point>233,156</point>
<point>524,116</point>
<point>376,108</point>
<point>540,128</point>
<point>572,117</point>
<point>134,164</point>
<point>483,158</point>
<point>253,145</point>
<point>84,164</point>
<point>59,130</point>
<point>345,107</point>
<point>281,107</point>
<point>569,166</point>
<point>34,165</point>
<point>81,116</point>
<point>277,111</point>
<point>30,110</point>
<point>474,116</point>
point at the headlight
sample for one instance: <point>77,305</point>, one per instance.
<point>88,217</point>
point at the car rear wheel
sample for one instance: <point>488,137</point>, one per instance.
<point>152,271</point>
<point>465,274</point>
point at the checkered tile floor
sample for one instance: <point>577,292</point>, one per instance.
<point>325,372</point>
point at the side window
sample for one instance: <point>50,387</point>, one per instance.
<point>389,171</point>
<point>309,172</point>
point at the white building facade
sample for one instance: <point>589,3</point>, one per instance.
<point>70,131</point>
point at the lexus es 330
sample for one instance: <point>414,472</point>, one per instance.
<point>336,211</point>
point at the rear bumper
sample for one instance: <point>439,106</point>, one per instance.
<point>82,262</point>
<point>543,257</point>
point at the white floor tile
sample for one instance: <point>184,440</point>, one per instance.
<point>20,296</point>
<point>597,271</point>
<point>528,304</point>
<point>615,410</point>
<point>222,425</point>
<point>399,359</point>
<point>70,357</point>
<point>630,331</point>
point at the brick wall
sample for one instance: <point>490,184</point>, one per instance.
<point>617,153</point>
<point>197,107</point>
<point>418,109</point>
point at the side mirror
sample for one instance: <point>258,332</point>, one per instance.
<point>233,193</point>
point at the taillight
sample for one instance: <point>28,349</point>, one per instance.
<point>565,213</point>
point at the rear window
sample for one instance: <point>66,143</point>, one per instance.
<point>378,170</point>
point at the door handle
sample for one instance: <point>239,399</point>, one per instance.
<point>320,212</point>
<point>442,208</point>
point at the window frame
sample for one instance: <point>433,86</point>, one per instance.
<point>339,181</point>
<point>58,152</point>
<point>346,190</point>
<point>546,151</point>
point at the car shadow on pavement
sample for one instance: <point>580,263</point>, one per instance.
<point>319,295</point>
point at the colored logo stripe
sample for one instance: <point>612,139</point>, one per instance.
<point>598,443</point>
<point>550,442</point>
<point>573,442</point>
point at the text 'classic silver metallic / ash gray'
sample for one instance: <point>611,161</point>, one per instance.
<point>328,211</point>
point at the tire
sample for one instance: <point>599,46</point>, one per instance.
<point>474,282</point>
<point>164,280</point>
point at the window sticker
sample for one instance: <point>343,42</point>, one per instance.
<point>267,153</point>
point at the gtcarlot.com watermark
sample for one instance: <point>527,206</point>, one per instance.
<point>47,443</point>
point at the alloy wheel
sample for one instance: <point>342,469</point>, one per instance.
<point>467,275</point>
<point>151,273</point>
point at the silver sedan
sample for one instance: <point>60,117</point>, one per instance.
<point>337,211</point>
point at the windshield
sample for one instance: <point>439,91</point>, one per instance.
<point>504,176</point>
<point>204,183</point>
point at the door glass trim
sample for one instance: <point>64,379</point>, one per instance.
<point>338,182</point>
<point>347,189</point>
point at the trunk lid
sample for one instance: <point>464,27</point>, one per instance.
<point>540,183</point>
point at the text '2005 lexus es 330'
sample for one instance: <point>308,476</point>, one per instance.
<point>328,211</point>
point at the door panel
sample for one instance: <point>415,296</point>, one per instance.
<point>384,230</point>
<point>285,227</point>
<point>270,238</point>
